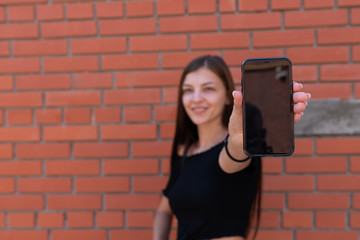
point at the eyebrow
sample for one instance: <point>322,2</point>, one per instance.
<point>204,84</point>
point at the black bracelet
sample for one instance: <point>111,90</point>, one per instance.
<point>229,155</point>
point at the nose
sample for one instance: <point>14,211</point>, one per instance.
<point>197,96</point>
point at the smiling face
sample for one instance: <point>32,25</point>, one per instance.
<point>204,97</point>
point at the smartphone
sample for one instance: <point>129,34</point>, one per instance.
<point>268,123</point>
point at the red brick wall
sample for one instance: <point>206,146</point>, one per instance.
<point>87,97</point>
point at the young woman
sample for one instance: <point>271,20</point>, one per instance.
<point>211,192</point>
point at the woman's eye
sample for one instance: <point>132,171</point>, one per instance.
<point>209,89</point>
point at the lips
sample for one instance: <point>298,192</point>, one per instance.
<point>198,109</point>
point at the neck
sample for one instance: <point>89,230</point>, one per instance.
<point>209,136</point>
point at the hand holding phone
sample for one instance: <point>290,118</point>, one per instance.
<point>268,107</point>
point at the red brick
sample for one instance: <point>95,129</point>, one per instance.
<point>70,133</point>
<point>20,168</point>
<point>24,234</point>
<point>227,5</point>
<point>91,80</point>
<point>103,115</point>
<point>297,219</point>
<point>80,219</point>
<point>21,220</point>
<point>356,201</point>
<point>355,220</point>
<point>285,5</point>
<point>318,55</point>
<point>44,185</point>
<point>202,6</point>
<point>6,151</point>
<point>2,14</point>
<point>19,31</point>
<point>355,16</point>
<point>356,53</point>
<point>128,62</point>
<point>110,219</point>
<point>4,49</point>
<point>43,82</point>
<point>338,145</point>
<point>20,65</point>
<point>165,112</point>
<point>170,95</point>
<point>72,167</point>
<point>348,3</point>
<point>43,150</point>
<point>137,114</point>
<point>68,29</point>
<point>50,12</point>
<point>131,96</point>
<point>131,201</point>
<point>288,183</point>
<point>98,45</point>
<point>272,165</point>
<point>48,116</point>
<point>50,220</point>
<point>318,4</point>
<point>128,132</point>
<point>19,117</point>
<point>6,83</point>
<point>132,166</point>
<point>78,115</point>
<point>355,164</point>
<point>131,234</point>
<point>338,35</point>
<point>21,1</point>
<point>73,98</point>
<point>338,183</point>
<point>248,5</point>
<point>283,38</point>
<point>127,26</point>
<point>328,164</point>
<point>40,47</point>
<point>158,43</point>
<point>273,201</point>
<point>152,78</point>
<point>151,149</point>
<point>318,18</point>
<point>167,130</point>
<point>173,7</point>
<point>305,235</point>
<point>329,90</point>
<point>318,201</point>
<point>74,202</point>
<point>19,134</point>
<point>181,59</point>
<point>21,13</point>
<point>330,220</point>
<point>71,64</point>
<point>188,24</point>
<point>139,219</point>
<point>7,185</point>
<point>357,90</point>
<point>348,72</point>
<point>272,234</point>
<point>251,21</point>
<point>268,220</point>
<point>109,9</point>
<point>236,57</point>
<point>305,73</point>
<point>26,202</point>
<point>149,184</point>
<point>102,184</point>
<point>80,11</point>
<point>139,9</point>
<point>2,121</point>
<point>104,149</point>
<point>79,234</point>
<point>219,41</point>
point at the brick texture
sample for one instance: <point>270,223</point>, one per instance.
<point>88,92</point>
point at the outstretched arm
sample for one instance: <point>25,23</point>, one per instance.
<point>162,221</point>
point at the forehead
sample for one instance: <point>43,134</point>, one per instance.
<point>202,76</point>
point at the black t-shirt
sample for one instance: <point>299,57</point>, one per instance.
<point>209,203</point>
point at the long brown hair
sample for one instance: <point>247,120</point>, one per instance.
<point>186,131</point>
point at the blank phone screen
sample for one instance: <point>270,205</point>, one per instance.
<point>267,107</point>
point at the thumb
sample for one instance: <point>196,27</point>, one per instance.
<point>237,95</point>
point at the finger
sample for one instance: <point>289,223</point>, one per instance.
<point>301,97</point>
<point>300,107</point>
<point>297,116</point>
<point>237,98</point>
<point>297,86</point>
